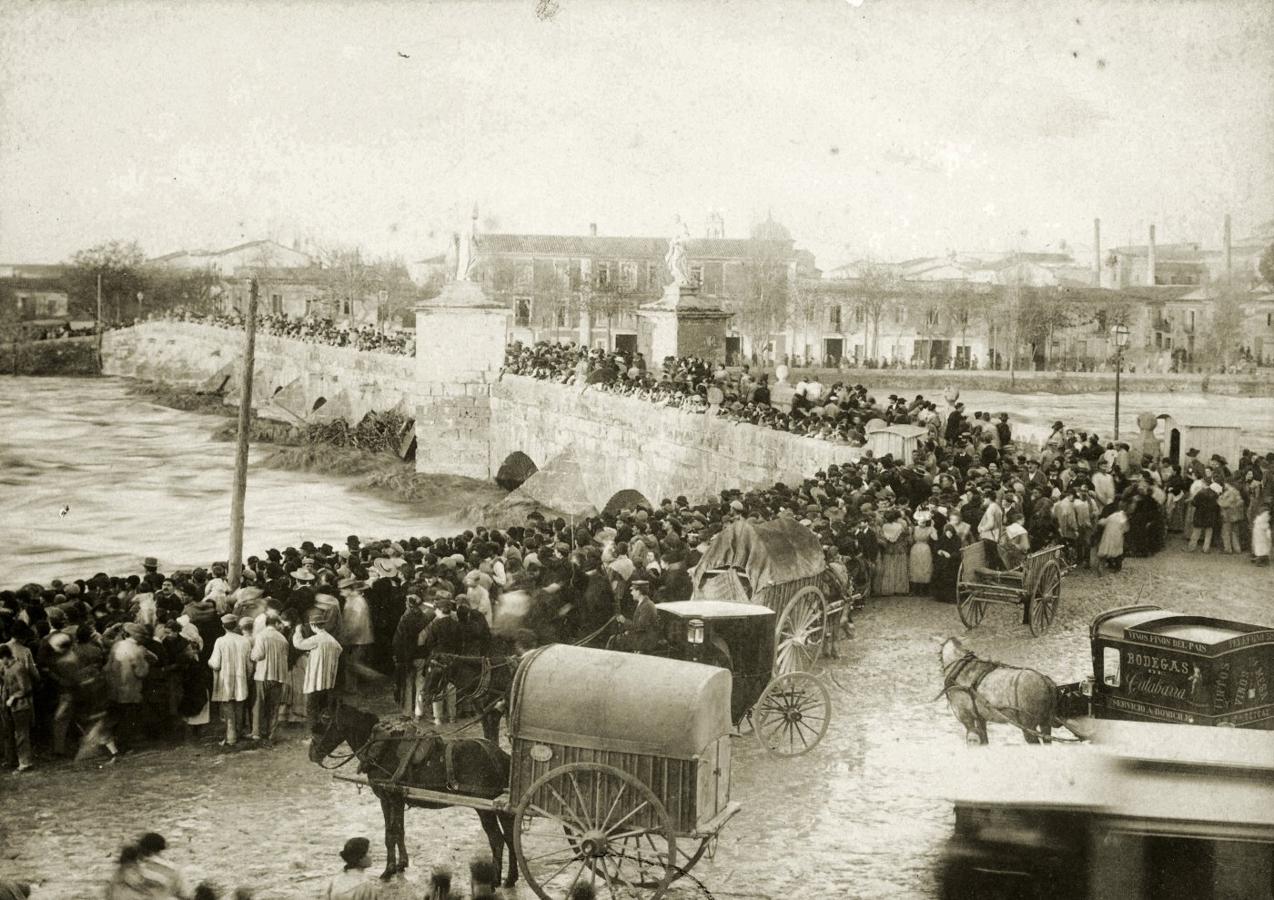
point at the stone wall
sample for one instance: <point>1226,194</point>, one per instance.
<point>201,357</point>
<point>623,443</point>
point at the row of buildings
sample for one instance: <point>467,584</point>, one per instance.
<point>1183,305</point>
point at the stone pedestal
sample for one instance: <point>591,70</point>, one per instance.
<point>460,340</point>
<point>682,323</point>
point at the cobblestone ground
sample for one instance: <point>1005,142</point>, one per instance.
<point>860,817</point>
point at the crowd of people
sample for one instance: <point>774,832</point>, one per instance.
<point>840,412</point>
<point>310,329</point>
<point>98,665</point>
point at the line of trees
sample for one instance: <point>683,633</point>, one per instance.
<point>131,289</point>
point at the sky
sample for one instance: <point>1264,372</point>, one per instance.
<point>882,128</point>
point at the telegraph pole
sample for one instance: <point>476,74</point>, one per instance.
<point>241,447</point>
<point>99,320</point>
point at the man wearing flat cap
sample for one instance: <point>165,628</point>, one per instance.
<point>231,664</point>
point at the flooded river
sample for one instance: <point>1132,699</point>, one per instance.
<point>94,479</point>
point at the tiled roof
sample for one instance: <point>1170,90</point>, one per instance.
<point>581,245</point>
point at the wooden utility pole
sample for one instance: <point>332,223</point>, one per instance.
<point>241,447</point>
<point>99,320</point>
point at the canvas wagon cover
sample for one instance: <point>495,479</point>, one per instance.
<point>606,700</point>
<point>773,552</point>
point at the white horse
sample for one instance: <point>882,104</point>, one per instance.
<point>980,691</point>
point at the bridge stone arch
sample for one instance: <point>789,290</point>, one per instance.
<point>516,468</point>
<point>626,499</point>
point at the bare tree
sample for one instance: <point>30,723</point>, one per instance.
<point>762,307</point>
<point>877,290</point>
<point>121,267</point>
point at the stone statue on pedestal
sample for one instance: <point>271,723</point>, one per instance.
<point>467,251</point>
<point>675,258</point>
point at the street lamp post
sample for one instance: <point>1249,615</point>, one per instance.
<point>1120,334</point>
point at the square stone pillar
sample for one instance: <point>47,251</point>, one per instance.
<point>682,323</point>
<point>460,340</point>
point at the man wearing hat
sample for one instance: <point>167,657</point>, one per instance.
<point>352,882</point>
<point>126,670</point>
<point>442,635</point>
<point>640,633</point>
<point>320,665</point>
<point>231,664</point>
<point>269,672</point>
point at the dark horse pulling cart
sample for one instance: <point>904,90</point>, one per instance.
<point>1154,665</point>
<point>1035,585</point>
<point>619,775</point>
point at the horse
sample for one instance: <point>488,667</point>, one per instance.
<point>400,754</point>
<point>484,681</point>
<point>980,691</point>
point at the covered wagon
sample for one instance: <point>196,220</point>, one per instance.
<point>780,565</point>
<point>620,767</point>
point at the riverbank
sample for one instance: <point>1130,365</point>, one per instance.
<point>75,357</point>
<point>322,449</point>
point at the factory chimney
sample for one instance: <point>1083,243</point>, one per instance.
<point>1150,258</point>
<point>592,229</point>
<point>1096,253</point>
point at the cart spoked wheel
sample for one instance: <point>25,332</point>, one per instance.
<point>970,609</point>
<point>800,632</point>
<point>792,714</point>
<point>593,823</point>
<point>1048,591</point>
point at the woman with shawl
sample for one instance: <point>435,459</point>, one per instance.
<point>946,559</point>
<point>895,540</point>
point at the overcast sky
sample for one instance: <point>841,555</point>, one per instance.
<point>892,128</point>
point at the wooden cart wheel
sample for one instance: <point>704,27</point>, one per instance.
<point>970,609</point>
<point>1048,591</point>
<point>593,823</point>
<point>792,714</point>
<point>800,632</point>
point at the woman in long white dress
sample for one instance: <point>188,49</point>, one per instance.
<point>920,569</point>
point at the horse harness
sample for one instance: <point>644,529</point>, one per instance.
<point>422,749</point>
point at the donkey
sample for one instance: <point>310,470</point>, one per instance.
<point>399,755</point>
<point>980,691</point>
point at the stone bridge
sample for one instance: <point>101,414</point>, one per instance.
<point>593,448</point>
<point>613,450</point>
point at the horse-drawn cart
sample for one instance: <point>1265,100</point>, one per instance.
<point>619,774</point>
<point>779,565</point>
<point>788,711</point>
<point>1035,585</point>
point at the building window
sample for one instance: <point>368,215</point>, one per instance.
<point>932,318</point>
<point>628,276</point>
<point>522,311</point>
<point>603,274</point>
<point>345,306</point>
<point>900,314</point>
<point>696,276</point>
<point>833,317</point>
<point>276,304</point>
<point>563,316</point>
<point>860,316</point>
